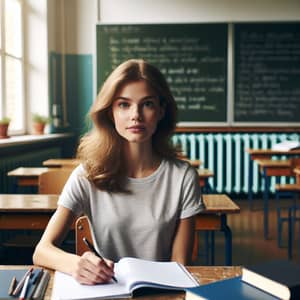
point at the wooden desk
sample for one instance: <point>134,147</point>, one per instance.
<point>26,176</point>
<point>203,274</point>
<point>29,212</point>
<point>204,175</point>
<point>32,212</point>
<point>196,163</point>
<point>214,218</point>
<point>277,168</point>
<point>61,163</point>
<point>263,154</point>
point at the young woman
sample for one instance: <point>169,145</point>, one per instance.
<point>140,199</point>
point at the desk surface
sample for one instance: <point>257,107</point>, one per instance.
<point>219,203</point>
<point>269,152</point>
<point>61,162</point>
<point>274,163</point>
<point>27,171</point>
<point>214,203</point>
<point>203,274</point>
<point>205,173</point>
<point>28,203</point>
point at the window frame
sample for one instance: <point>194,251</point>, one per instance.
<point>3,56</point>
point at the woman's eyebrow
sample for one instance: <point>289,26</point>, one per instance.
<point>129,99</point>
<point>121,98</point>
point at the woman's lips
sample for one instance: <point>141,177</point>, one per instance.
<point>137,128</point>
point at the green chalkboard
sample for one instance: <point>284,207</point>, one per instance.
<point>193,57</point>
<point>267,72</point>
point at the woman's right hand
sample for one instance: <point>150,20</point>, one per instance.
<point>90,269</point>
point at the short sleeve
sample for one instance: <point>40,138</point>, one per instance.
<point>192,202</point>
<point>74,193</point>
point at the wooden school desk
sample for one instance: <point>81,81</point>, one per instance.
<point>196,163</point>
<point>29,212</point>
<point>32,212</point>
<point>203,274</point>
<point>269,168</point>
<point>263,154</point>
<point>204,175</point>
<point>26,176</point>
<point>61,163</point>
<point>214,218</point>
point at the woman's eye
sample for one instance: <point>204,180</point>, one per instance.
<point>123,105</point>
<point>149,104</point>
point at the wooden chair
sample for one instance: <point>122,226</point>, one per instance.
<point>53,181</point>
<point>82,229</point>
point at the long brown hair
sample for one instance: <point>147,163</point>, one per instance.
<point>100,150</point>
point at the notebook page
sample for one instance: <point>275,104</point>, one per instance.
<point>66,287</point>
<point>159,274</point>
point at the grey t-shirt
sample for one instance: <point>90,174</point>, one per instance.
<point>143,223</point>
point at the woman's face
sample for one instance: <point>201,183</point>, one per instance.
<point>136,110</point>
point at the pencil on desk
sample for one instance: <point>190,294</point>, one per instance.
<point>92,248</point>
<point>21,282</point>
<point>12,286</point>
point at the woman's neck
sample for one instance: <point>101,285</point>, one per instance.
<point>141,161</point>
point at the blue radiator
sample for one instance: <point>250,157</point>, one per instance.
<point>225,155</point>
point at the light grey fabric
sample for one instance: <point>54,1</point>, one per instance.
<point>143,223</point>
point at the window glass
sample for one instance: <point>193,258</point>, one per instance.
<point>1,88</point>
<point>14,94</point>
<point>13,36</point>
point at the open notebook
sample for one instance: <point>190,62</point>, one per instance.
<point>131,273</point>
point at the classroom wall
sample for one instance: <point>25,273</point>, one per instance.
<point>198,10</point>
<point>72,36</point>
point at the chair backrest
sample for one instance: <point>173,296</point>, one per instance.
<point>82,229</point>
<point>53,181</point>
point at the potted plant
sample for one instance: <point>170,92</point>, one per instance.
<point>4,123</point>
<point>39,122</point>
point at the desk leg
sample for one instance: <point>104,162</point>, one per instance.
<point>228,240</point>
<point>207,247</point>
<point>290,234</point>
<point>250,184</point>
<point>212,248</point>
<point>207,187</point>
<point>266,203</point>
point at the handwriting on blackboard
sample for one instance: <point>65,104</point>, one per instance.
<point>193,62</point>
<point>267,72</point>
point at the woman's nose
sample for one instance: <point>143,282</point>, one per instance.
<point>136,113</point>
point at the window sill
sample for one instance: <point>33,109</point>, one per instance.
<point>32,139</point>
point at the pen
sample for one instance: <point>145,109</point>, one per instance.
<point>25,287</point>
<point>12,286</point>
<point>21,283</point>
<point>35,280</point>
<point>92,248</point>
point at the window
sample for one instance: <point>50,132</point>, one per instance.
<point>12,100</point>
